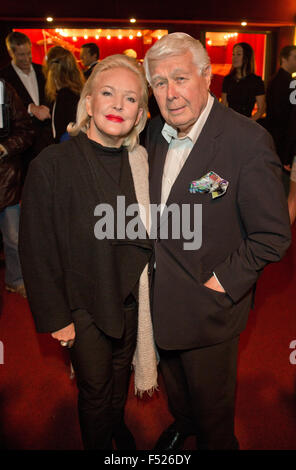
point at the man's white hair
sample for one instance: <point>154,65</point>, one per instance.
<point>177,44</point>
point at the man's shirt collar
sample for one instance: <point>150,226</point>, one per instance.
<point>20,72</point>
<point>170,132</point>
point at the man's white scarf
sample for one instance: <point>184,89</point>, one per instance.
<point>145,360</point>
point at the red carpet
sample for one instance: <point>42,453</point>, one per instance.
<point>38,398</point>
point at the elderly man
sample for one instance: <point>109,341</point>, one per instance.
<point>28,81</point>
<point>202,153</point>
<point>89,55</point>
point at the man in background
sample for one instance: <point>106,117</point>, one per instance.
<point>89,55</point>
<point>279,105</point>
<point>28,81</point>
<point>16,135</point>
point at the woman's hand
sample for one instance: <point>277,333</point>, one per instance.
<point>66,335</point>
<point>292,201</point>
<point>224,99</point>
<point>261,107</point>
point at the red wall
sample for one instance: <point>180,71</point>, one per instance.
<point>107,47</point>
<point>223,55</point>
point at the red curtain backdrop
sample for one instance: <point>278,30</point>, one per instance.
<point>220,55</point>
<point>107,46</point>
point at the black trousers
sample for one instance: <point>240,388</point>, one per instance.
<point>201,384</point>
<point>102,366</point>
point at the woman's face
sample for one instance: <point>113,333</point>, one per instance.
<point>114,106</point>
<point>237,56</point>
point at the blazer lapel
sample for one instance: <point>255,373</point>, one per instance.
<point>19,86</point>
<point>197,165</point>
<point>156,170</point>
<point>40,82</point>
<point>200,158</point>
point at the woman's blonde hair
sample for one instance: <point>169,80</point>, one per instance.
<point>112,62</point>
<point>61,71</point>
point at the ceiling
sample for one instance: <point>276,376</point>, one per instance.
<point>276,11</point>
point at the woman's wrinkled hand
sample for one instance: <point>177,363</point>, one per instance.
<point>66,336</point>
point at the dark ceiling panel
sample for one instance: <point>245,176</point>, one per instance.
<point>226,10</point>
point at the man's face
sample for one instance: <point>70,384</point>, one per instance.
<point>237,57</point>
<point>22,57</point>
<point>181,93</point>
<point>291,62</point>
<point>86,57</point>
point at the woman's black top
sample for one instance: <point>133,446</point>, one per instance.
<point>110,158</point>
<point>241,93</point>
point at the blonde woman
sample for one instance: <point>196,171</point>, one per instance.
<point>64,83</point>
<point>91,292</point>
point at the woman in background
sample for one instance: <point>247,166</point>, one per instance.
<point>241,87</point>
<point>64,82</point>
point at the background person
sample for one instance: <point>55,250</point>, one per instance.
<point>89,55</point>
<point>64,83</point>
<point>241,87</point>
<point>279,106</point>
<point>292,147</point>
<point>16,135</point>
<point>28,81</point>
<point>202,298</point>
<point>92,294</point>
<point>292,193</point>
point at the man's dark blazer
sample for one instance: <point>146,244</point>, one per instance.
<point>10,75</point>
<point>242,230</point>
<point>40,127</point>
<point>88,71</point>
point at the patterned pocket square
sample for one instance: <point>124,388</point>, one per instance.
<point>209,183</point>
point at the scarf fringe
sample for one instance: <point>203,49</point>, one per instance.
<point>141,393</point>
